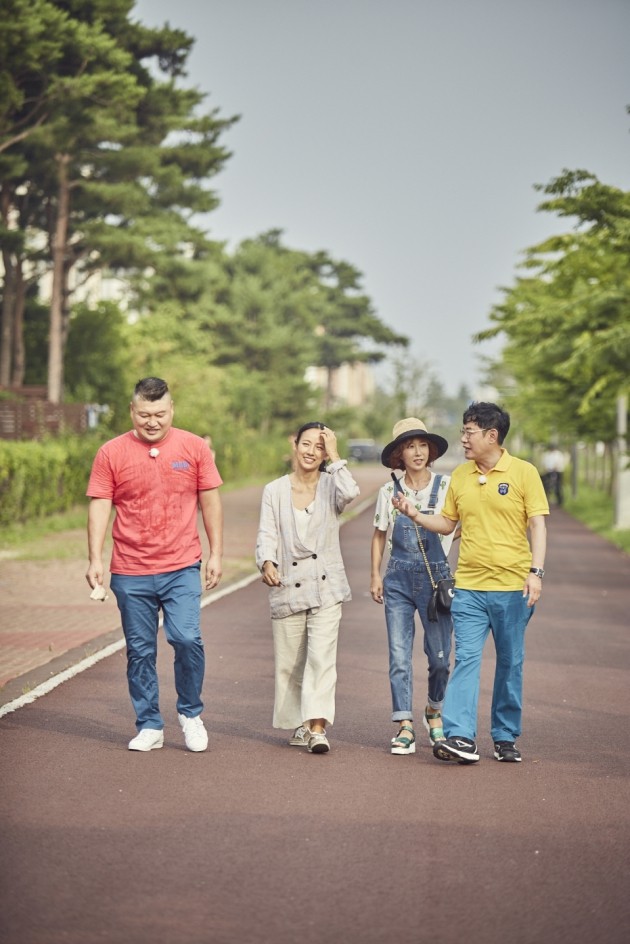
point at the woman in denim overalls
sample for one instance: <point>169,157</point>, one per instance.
<point>407,586</point>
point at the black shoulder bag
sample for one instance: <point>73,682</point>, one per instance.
<point>443,589</point>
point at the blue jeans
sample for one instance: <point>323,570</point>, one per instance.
<point>475,614</point>
<point>407,589</point>
<point>140,599</point>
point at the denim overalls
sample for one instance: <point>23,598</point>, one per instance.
<point>407,588</point>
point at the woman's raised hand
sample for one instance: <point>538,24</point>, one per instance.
<point>330,444</point>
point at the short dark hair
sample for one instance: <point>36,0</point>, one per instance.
<point>396,459</point>
<point>489,416</point>
<point>150,388</point>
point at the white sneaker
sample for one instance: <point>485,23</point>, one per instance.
<point>318,743</point>
<point>149,739</point>
<point>195,734</point>
<point>300,736</point>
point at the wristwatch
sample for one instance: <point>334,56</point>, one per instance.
<point>538,571</point>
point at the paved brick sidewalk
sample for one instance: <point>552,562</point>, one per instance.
<point>49,623</point>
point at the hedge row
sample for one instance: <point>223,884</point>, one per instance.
<point>41,478</point>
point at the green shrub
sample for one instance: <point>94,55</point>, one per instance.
<point>42,478</point>
<point>250,455</point>
<point>38,479</point>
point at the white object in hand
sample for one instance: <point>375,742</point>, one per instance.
<point>99,593</point>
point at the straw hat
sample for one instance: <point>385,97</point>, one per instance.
<point>412,428</point>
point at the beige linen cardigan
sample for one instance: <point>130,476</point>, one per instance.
<point>312,576</point>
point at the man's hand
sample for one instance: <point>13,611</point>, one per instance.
<point>95,574</point>
<point>532,589</point>
<point>214,571</point>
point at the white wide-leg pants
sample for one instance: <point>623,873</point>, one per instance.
<point>305,651</point>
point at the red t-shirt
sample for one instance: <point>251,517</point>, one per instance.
<point>156,499</point>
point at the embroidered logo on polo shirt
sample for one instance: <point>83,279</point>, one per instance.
<point>180,465</point>
<point>504,488</point>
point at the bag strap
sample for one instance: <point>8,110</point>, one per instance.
<point>432,503</point>
<point>424,555</point>
<point>434,493</point>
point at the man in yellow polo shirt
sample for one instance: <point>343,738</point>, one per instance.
<point>498,499</point>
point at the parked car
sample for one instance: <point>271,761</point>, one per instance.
<point>364,450</point>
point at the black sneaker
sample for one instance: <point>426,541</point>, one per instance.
<point>459,749</point>
<point>507,751</point>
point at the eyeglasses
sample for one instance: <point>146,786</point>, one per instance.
<point>467,433</point>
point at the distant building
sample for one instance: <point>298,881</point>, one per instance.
<point>348,385</point>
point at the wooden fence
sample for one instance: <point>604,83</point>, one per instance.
<point>31,416</point>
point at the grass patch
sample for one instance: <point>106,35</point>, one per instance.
<point>17,538</point>
<point>596,510</point>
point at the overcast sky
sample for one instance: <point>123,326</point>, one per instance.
<point>406,136</point>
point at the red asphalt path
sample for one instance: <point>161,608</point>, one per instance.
<point>255,842</point>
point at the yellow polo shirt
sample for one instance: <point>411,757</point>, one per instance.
<point>494,553</point>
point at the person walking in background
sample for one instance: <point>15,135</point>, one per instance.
<point>498,499</point>
<point>299,556</point>
<point>554,464</point>
<point>407,586</point>
<point>156,477</point>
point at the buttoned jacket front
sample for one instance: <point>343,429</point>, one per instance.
<point>312,574</point>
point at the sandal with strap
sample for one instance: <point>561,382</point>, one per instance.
<point>436,734</point>
<point>402,744</point>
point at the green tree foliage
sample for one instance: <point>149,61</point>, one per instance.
<point>32,40</point>
<point>567,320</point>
<point>105,158</point>
<point>289,311</point>
<point>106,161</point>
<point>348,322</point>
<point>98,336</point>
<point>262,316</point>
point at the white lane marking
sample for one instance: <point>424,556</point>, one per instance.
<point>89,661</point>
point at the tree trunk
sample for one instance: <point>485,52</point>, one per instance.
<point>65,302</point>
<point>6,329</point>
<point>328,401</point>
<point>8,295</point>
<point>59,239</point>
<point>19,355</point>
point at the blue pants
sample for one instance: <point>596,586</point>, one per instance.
<point>407,589</point>
<point>139,600</point>
<point>476,613</point>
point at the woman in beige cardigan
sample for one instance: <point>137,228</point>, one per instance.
<point>298,554</point>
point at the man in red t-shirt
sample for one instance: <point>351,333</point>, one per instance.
<point>157,477</point>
